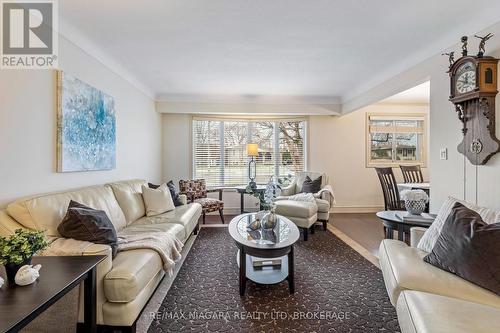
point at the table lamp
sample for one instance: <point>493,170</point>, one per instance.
<point>253,151</point>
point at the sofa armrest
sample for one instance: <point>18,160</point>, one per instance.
<point>73,247</point>
<point>326,193</point>
<point>183,198</point>
<point>415,234</point>
<point>289,190</point>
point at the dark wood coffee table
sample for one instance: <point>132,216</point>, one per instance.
<point>274,243</point>
<point>393,223</point>
<point>58,276</point>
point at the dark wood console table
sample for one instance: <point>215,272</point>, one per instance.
<point>58,276</point>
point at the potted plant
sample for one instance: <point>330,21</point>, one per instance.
<point>273,190</point>
<point>266,199</point>
<point>17,250</point>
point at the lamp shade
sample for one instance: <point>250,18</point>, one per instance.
<point>252,149</point>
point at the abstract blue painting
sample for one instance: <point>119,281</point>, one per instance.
<point>86,126</point>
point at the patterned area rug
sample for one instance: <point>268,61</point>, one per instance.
<point>336,290</point>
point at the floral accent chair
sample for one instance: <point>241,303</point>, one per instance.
<point>196,191</point>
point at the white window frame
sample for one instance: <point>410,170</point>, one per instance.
<point>395,116</point>
<point>249,121</point>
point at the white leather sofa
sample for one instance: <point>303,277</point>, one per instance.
<point>304,214</point>
<point>125,284</point>
<point>428,299</point>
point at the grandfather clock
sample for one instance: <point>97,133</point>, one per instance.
<point>473,90</point>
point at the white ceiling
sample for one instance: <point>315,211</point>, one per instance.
<point>323,51</point>
<point>420,94</point>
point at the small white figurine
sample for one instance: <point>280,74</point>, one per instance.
<point>27,274</point>
<point>1,282</point>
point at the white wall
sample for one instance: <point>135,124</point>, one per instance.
<point>337,146</point>
<point>28,128</point>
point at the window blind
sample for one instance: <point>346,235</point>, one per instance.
<point>207,151</point>
<point>219,149</point>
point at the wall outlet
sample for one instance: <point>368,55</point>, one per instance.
<point>443,153</point>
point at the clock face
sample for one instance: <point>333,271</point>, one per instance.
<point>465,78</point>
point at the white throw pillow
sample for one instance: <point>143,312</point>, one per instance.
<point>157,201</point>
<point>431,235</point>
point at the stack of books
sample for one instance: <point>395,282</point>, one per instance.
<point>261,262</point>
<point>424,217</point>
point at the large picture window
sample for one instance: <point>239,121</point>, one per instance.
<point>219,149</point>
<point>395,139</point>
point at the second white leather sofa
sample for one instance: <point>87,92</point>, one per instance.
<point>431,300</point>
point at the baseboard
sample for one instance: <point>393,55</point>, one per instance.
<point>356,209</point>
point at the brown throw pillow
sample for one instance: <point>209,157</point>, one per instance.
<point>311,186</point>
<point>469,248</point>
<point>88,224</point>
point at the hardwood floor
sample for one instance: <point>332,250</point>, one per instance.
<point>364,228</point>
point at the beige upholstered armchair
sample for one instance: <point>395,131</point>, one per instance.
<point>324,198</point>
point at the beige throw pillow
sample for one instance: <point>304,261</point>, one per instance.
<point>157,201</point>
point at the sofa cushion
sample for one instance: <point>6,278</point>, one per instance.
<point>145,224</point>
<point>430,237</point>
<point>186,216</point>
<point>132,270</point>
<point>129,196</point>
<point>403,268</point>
<point>7,224</point>
<point>182,215</point>
<point>420,312</point>
<point>46,211</point>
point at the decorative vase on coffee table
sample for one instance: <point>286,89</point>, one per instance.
<point>416,207</point>
<point>270,219</point>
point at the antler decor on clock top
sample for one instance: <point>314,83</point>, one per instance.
<point>473,87</point>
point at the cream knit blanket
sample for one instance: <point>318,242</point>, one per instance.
<point>165,244</point>
<point>308,197</point>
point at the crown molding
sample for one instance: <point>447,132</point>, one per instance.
<point>248,109</point>
<point>249,99</point>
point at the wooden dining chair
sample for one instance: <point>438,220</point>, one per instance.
<point>412,173</point>
<point>390,190</point>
